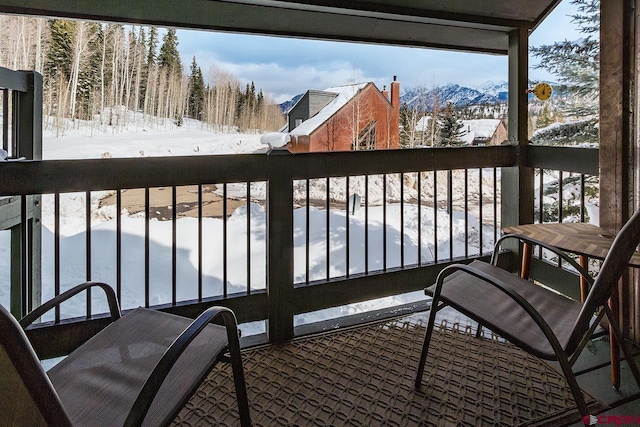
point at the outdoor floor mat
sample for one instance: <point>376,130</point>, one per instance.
<point>363,376</point>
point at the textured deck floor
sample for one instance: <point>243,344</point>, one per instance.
<point>290,384</point>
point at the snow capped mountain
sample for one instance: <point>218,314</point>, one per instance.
<point>489,92</point>
<point>494,88</point>
<point>288,105</point>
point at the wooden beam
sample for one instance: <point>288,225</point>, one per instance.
<point>568,159</point>
<point>49,176</point>
<point>448,31</point>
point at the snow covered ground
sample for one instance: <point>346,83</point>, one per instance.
<point>166,139</point>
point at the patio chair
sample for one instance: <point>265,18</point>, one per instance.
<point>139,370</point>
<point>539,321</point>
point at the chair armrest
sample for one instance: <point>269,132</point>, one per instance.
<point>581,271</point>
<point>500,285</point>
<point>114,308</point>
<point>156,378</point>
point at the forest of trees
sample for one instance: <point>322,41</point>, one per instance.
<point>99,72</point>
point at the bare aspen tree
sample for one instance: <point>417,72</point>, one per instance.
<point>360,115</point>
<point>40,42</point>
<point>79,47</point>
<point>436,108</point>
<point>139,57</point>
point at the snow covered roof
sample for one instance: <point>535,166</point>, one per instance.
<point>471,129</point>
<point>345,94</point>
<point>480,128</point>
<point>423,124</point>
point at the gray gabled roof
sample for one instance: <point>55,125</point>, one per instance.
<point>465,25</point>
<point>344,94</point>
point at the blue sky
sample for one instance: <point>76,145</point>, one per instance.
<point>285,67</point>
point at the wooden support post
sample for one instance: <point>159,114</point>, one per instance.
<point>517,181</point>
<point>617,144</point>
<point>280,246</point>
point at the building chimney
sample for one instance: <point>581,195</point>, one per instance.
<point>395,121</point>
<point>385,92</point>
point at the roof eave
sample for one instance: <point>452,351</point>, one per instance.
<point>274,18</point>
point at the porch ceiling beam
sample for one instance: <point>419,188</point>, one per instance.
<point>365,22</point>
<point>496,13</point>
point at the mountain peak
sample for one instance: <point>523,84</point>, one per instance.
<point>423,97</point>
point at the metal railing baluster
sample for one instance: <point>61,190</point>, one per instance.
<point>87,206</point>
<point>419,184</point>
<point>307,240</point>
<point>346,227</point>
<point>435,216</point>
<point>146,247</point>
<point>174,245</point>
<point>248,238</point>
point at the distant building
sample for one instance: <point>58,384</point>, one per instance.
<point>475,132</point>
<point>484,132</point>
<point>345,118</point>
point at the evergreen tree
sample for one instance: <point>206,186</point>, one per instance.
<point>58,62</point>
<point>576,63</point>
<point>153,45</point>
<point>169,57</point>
<point>196,91</point>
<point>544,117</point>
<point>260,100</point>
<point>404,125</point>
<point>450,127</point>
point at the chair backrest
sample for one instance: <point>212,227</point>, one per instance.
<point>616,262</point>
<point>27,397</point>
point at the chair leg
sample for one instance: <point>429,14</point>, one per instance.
<point>240,386</point>
<point>425,345</point>
<point>573,384</point>
<point>623,346</point>
<point>235,358</point>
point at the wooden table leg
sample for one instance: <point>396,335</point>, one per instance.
<point>613,342</point>
<point>584,286</point>
<point>525,270</point>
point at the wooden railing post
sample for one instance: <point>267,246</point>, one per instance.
<point>280,246</point>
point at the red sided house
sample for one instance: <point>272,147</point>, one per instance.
<point>345,118</point>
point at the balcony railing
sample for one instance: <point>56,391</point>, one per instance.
<point>566,190</point>
<point>449,179</point>
<point>384,222</point>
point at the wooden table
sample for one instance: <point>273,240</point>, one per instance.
<point>587,241</point>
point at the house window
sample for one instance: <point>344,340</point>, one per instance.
<point>366,138</point>
<point>297,122</point>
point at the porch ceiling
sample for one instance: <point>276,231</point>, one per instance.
<point>465,25</point>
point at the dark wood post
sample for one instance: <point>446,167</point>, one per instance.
<point>617,146</point>
<point>517,181</point>
<point>280,246</point>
